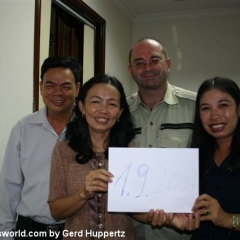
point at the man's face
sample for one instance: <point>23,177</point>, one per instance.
<point>153,74</point>
<point>59,90</point>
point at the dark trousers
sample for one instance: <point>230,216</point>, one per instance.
<point>27,228</point>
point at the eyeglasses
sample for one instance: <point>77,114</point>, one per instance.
<point>153,62</point>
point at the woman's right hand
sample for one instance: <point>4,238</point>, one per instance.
<point>96,181</point>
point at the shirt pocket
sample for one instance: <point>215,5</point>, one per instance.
<point>175,135</point>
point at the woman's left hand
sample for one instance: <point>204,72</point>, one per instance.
<point>209,209</point>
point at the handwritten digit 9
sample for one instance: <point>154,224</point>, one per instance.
<point>142,172</point>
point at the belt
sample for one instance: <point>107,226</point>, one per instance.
<point>41,226</point>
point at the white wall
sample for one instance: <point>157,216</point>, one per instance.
<point>118,40</point>
<point>16,68</point>
<point>199,48</point>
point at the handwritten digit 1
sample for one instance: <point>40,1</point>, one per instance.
<point>125,179</point>
<point>142,172</point>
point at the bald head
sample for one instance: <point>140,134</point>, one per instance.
<point>149,41</point>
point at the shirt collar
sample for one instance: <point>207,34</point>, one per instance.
<point>169,97</point>
<point>39,117</point>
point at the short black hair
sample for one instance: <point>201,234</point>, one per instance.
<point>64,62</point>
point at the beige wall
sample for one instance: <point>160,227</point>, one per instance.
<point>88,53</point>
<point>16,68</point>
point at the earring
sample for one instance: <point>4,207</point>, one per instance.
<point>118,119</point>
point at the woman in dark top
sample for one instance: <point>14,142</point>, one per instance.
<point>217,135</point>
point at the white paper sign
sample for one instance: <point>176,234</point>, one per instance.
<point>153,178</point>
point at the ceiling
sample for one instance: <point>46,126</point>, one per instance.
<point>150,10</point>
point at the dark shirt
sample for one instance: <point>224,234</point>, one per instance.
<point>223,184</point>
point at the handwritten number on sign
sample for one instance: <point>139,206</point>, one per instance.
<point>159,185</point>
<point>167,181</point>
<point>126,177</point>
<point>142,172</point>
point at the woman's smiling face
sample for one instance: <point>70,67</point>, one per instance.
<point>101,108</point>
<point>219,114</point>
